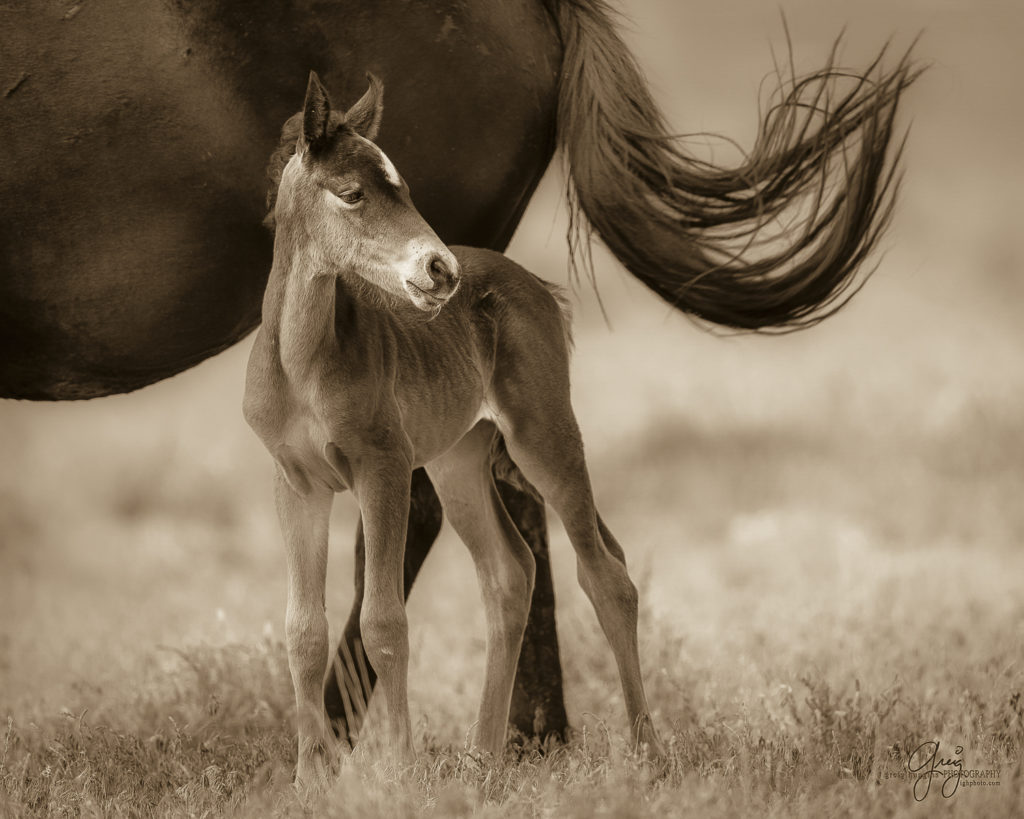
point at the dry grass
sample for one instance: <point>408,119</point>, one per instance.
<point>807,713</point>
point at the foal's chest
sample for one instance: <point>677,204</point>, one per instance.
<point>323,423</point>
<point>312,427</point>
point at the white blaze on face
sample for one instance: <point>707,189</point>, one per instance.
<point>390,171</point>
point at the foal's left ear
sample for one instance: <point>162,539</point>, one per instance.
<point>316,112</point>
<point>364,117</point>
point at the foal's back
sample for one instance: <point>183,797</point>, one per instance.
<point>523,318</point>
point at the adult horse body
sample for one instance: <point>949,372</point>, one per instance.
<point>136,137</point>
<point>132,186</point>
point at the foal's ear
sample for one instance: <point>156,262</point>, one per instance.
<point>364,116</point>
<point>316,112</point>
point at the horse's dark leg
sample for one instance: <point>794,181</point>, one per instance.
<point>537,704</point>
<point>345,714</point>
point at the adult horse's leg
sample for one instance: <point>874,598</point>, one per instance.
<point>538,706</point>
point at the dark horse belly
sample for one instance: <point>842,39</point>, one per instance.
<point>135,138</point>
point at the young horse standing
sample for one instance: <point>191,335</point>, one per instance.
<point>380,351</point>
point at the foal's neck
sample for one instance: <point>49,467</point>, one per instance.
<point>299,308</point>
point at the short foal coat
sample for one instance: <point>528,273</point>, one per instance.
<point>381,351</point>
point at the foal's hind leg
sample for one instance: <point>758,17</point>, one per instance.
<point>545,442</point>
<point>504,565</point>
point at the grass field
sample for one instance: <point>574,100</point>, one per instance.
<point>826,529</point>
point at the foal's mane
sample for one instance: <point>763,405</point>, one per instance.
<point>284,151</point>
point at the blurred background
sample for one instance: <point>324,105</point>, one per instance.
<point>752,480</point>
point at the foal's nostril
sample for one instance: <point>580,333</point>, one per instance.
<point>440,274</point>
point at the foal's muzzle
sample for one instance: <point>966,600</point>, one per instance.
<point>436,281</point>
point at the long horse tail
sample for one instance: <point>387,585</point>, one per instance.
<point>773,244</point>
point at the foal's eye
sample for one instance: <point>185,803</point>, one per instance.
<point>351,197</point>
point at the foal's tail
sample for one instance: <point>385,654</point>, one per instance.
<point>773,243</point>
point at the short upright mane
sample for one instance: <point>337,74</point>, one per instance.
<point>284,151</point>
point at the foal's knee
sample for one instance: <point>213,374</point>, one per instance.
<point>515,595</point>
<point>385,637</point>
<point>306,637</point>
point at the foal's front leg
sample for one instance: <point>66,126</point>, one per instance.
<point>383,492</point>
<point>304,521</point>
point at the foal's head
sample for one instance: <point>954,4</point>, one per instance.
<point>351,207</point>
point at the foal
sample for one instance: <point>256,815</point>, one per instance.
<point>380,351</point>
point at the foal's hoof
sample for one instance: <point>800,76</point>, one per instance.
<point>647,742</point>
<point>313,774</point>
<point>310,784</point>
<point>395,763</point>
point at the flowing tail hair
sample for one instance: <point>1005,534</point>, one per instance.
<point>773,244</point>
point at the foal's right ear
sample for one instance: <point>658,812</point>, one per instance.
<point>316,112</point>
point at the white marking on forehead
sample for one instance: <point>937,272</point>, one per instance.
<point>390,171</point>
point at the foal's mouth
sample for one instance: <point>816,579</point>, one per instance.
<point>424,299</point>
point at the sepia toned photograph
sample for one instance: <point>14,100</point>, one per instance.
<point>463,408</point>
